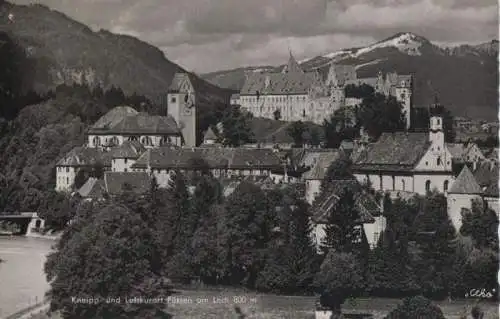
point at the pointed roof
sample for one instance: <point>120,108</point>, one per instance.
<point>292,65</point>
<point>209,135</point>
<point>465,183</point>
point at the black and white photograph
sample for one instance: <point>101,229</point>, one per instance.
<point>249,159</point>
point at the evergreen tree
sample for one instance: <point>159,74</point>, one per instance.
<point>291,260</point>
<point>342,232</point>
<point>436,241</point>
<point>248,230</point>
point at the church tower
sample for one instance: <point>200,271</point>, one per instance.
<point>182,107</point>
<point>436,131</point>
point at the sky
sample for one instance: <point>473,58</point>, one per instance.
<point>209,35</point>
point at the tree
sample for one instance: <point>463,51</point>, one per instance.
<point>378,114</point>
<point>358,91</point>
<point>340,277</point>
<point>481,223</point>
<point>296,131</point>
<point>57,209</point>
<point>291,261</point>
<point>112,254</point>
<point>416,308</point>
<point>248,230</point>
<point>277,115</point>
<point>342,232</point>
<point>435,237</point>
<point>315,138</point>
<point>236,127</point>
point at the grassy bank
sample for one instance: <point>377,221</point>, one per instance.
<point>220,304</point>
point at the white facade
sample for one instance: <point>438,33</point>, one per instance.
<point>149,141</point>
<point>65,178</point>
<point>122,164</point>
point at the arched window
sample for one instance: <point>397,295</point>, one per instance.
<point>403,186</point>
<point>445,186</point>
<point>439,162</point>
<point>438,122</point>
<point>132,138</point>
<point>428,186</point>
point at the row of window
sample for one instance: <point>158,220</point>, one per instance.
<point>274,98</point>
<point>145,140</point>
<point>403,184</point>
<point>62,169</point>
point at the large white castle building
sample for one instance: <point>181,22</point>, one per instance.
<point>297,95</point>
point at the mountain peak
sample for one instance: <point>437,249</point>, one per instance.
<point>405,42</point>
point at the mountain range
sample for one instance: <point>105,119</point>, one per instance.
<point>62,50</point>
<point>465,77</point>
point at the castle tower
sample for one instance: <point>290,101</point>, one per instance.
<point>403,94</point>
<point>182,107</point>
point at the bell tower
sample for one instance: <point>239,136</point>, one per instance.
<point>436,132</point>
<point>182,107</point>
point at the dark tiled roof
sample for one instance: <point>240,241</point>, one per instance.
<point>394,151</point>
<point>116,182</point>
<point>323,162</point>
<point>280,83</point>
<point>486,175</point>
<point>93,188</point>
<point>84,156</point>
<point>143,123</point>
<point>113,117</point>
<point>230,158</point>
<point>365,203</point>
<point>465,183</point>
<point>129,149</point>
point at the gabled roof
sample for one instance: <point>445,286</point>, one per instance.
<point>115,182</point>
<point>209,135</point>
<point>129,149</point>
<point>322,163</point>
<point>85,156</point>
<point>113,116</point>
<point>465,183</point>
<point>280,83</point>
<point>398,151</point>
<point>143,123</point>
<point>93,188</point>
<point>365,203</point>
<point>292,66</point>
<point>179,79</point>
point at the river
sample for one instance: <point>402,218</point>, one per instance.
<point>22,280</point>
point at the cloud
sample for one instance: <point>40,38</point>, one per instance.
<point>231,33</point>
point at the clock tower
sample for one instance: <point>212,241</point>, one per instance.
<point>182,107</point>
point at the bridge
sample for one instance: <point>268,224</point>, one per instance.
<point>28,221</point>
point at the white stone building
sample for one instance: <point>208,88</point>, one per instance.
<point>313,96</point>
<point>407,162</point>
